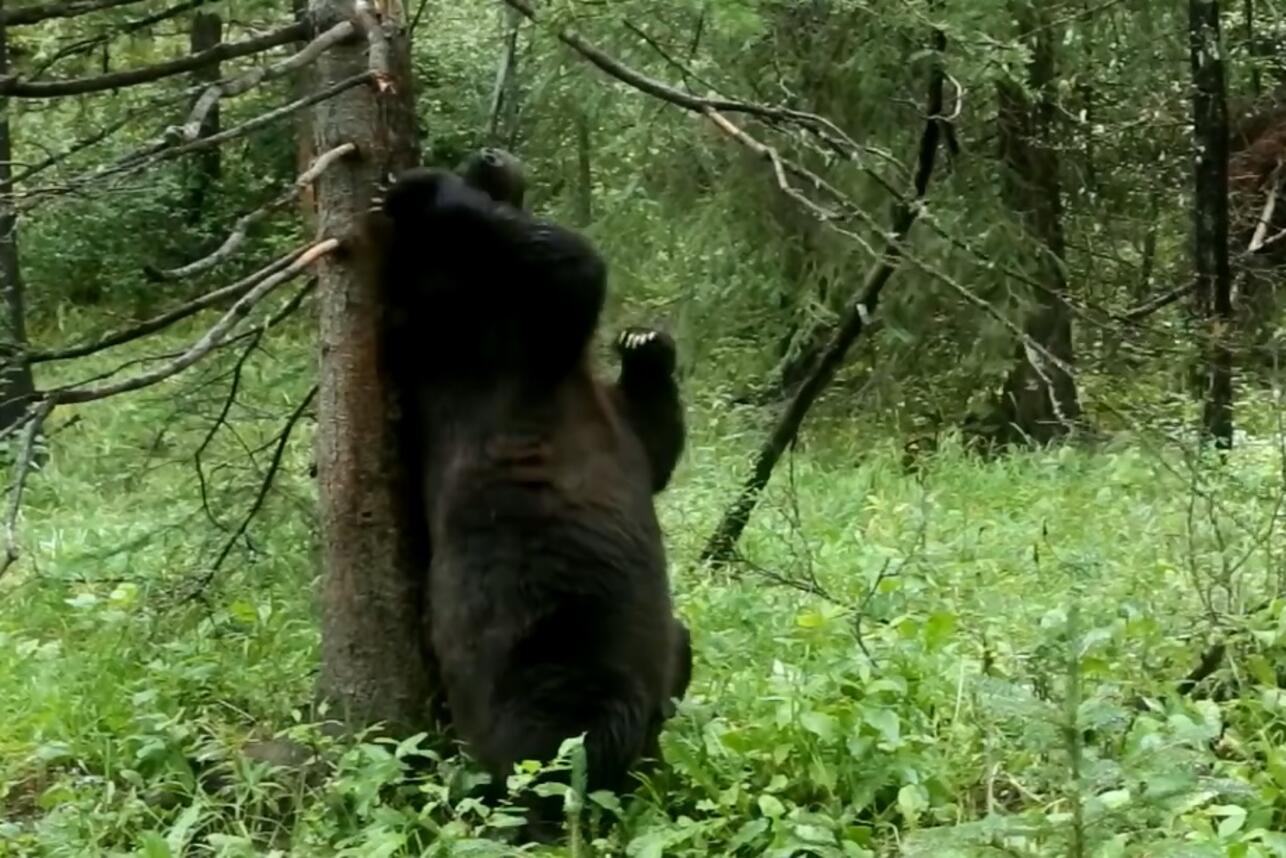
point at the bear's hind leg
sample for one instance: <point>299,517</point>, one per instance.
<point>615,716</point>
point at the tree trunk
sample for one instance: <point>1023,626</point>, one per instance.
<point>374,661</point>
<point>1210,215</point>
<point>584,171</point>
<point>206,165</point>
<point>1254,48</point>
<point>1040,398</point>
<point>504,94</point>
<point>16,384</point>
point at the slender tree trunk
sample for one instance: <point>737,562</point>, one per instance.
<point>720,548</point>
<point>1041,401</point>
<point>374,661</point>
<point>206,166</point>
<point>504,94</point>
<point>1210,215</point>
<point>584,171</point>
<point>16,385</point>
<point>1254,48</point>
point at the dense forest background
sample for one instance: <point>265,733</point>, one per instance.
<point>991,289</point>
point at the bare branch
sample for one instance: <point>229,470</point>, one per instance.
<point>207,343</point>
<point>198,458</point>
<point>265,486</point>
<point>240,230</point>
<point>1257,241</point>
<point>86,45</point>
<point>26,459</point>
<point>16,87</point>
<point>722,543</point>
<point>235,86</point>
<point>813,122</point>
<point>170,317</point>
<point>165,150</point>
<point>34,14</point>
<point>1146,309</point>
<point>379,51</point>
<point>84,143</point>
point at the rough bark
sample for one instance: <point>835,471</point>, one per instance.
<point>206,165</point>
<point>1210,214</point>
<point>1040,400</point>
<point>16,384</point>
<point>373,660</point>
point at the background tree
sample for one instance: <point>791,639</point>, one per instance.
<point>845,212</point>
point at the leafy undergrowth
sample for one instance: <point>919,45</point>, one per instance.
<point>976,659</point>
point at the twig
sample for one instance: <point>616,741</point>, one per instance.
<point>219,421</point>
<point>16,87</point>
<point>719,548</point>
<point>166,150</point>
<point>94,139</point>
<point>820,125</point>
<point>1148,308</point>
<point>86,45</point>
<point>248,80</point>
<point>170,317</point>
<point>419,13</point>
<point>207,343</point>
<point>274,465</point>
<point>681,67</point>
<point>39,414</point>
<point>241,228</point>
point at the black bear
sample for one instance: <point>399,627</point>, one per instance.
<point>549,602</point>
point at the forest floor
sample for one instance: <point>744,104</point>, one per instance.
<point>980,658</point>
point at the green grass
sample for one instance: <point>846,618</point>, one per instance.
<point>904,665</point>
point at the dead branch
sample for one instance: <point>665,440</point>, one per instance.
<point>685,71</point>
<point>221,420</point>
<point>86,45</point>
<point>26,459</point>
<point>827,132</point>
<point>265,486</point>
<point>1272,240</point>
<point>721,546</point>
<point>1147,308</point>
<point>241,229</point>
<point>812,122</point>
<point>16,87</point>
<point>36,13</point>
<point>166,150</point>
<point>207,343</point>
<point>84,143</point>
<point>248,80</point>
<point>1257,241</point>
<point>170,317</point>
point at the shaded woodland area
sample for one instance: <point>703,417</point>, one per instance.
<point>979,313</point>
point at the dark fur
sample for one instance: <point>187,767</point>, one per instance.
<point>496,173</point>
<point>549,602</point>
